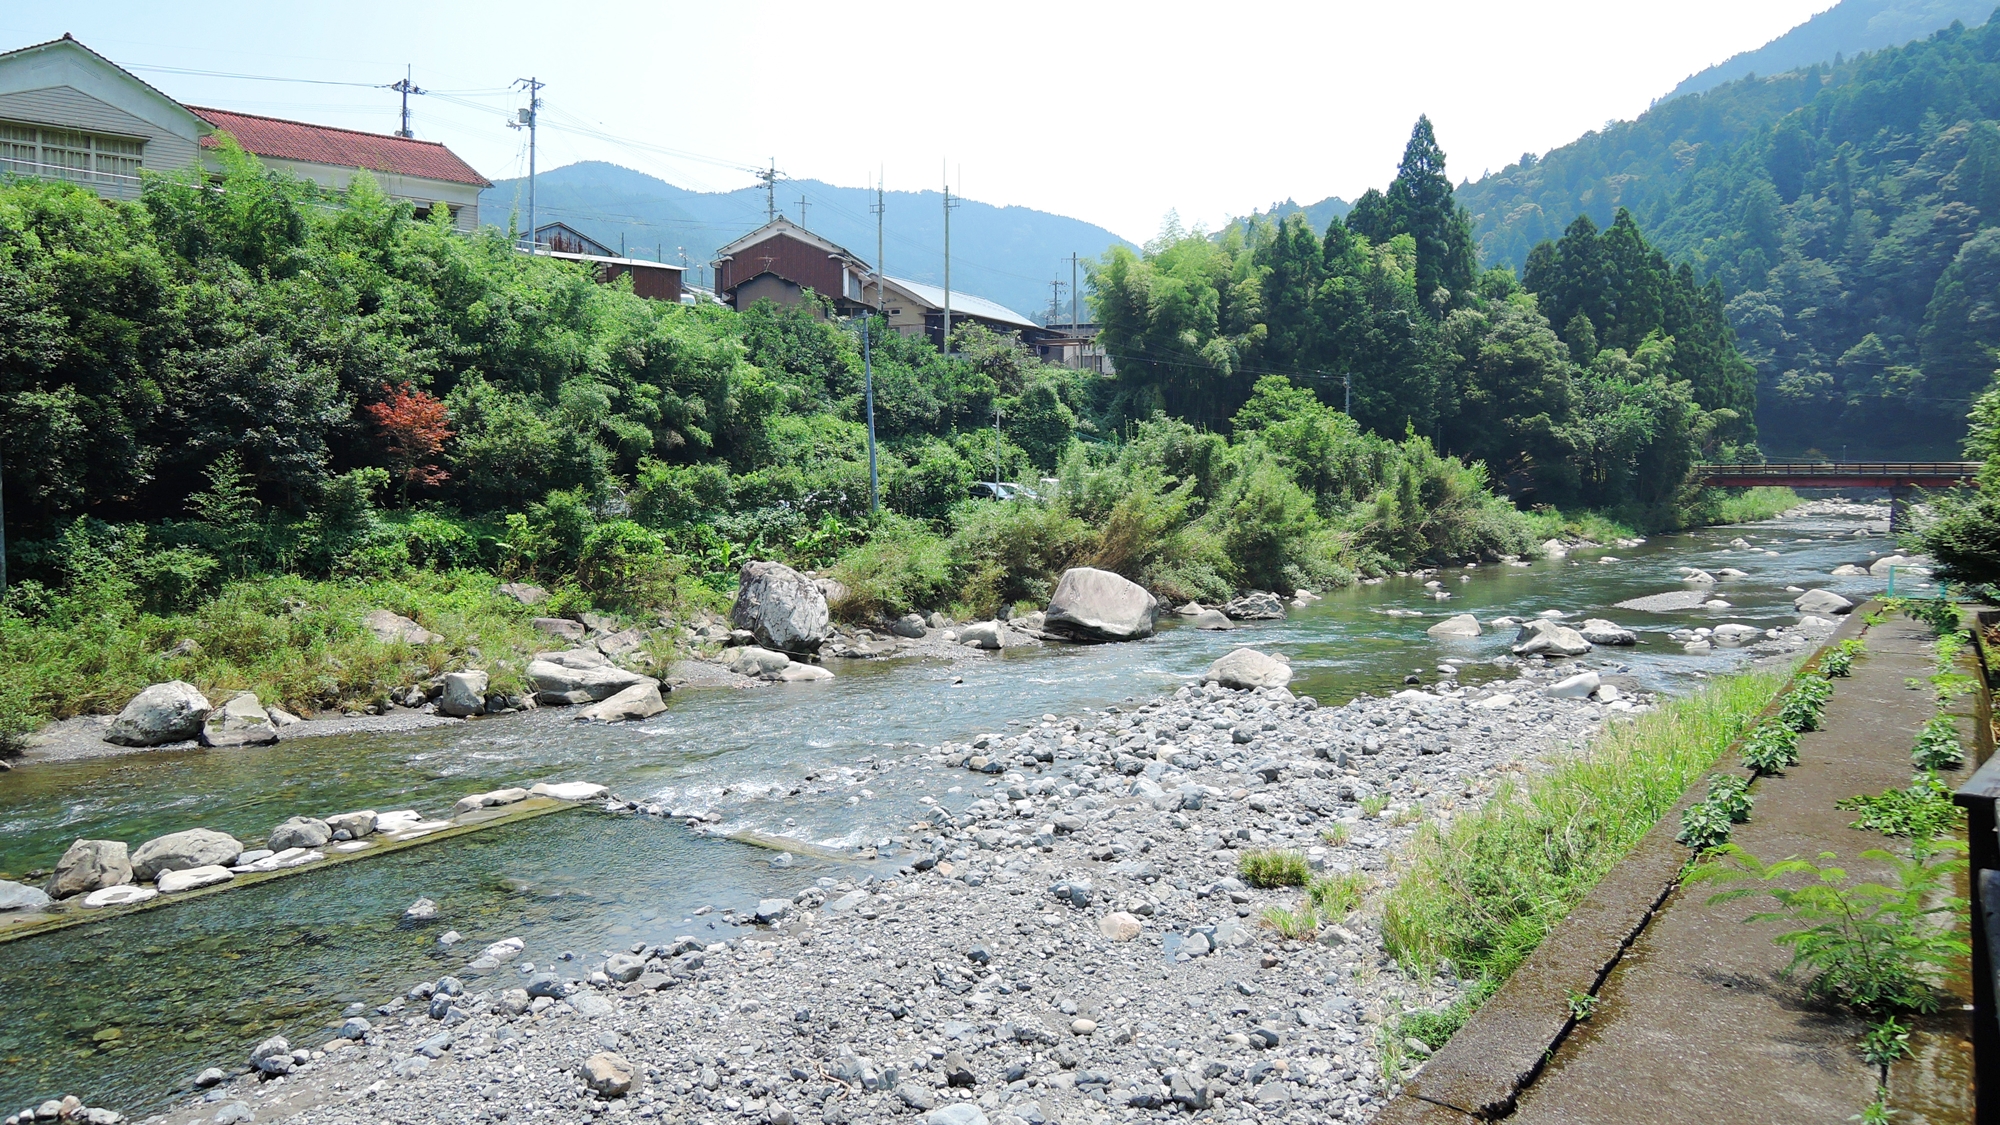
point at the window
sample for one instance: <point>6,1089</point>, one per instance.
<point>66,154</point>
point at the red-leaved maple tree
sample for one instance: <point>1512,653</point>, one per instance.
<point>414,427</point>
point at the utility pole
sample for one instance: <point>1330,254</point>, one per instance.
<point>528,118</point>
<point>770,178</point>
<point>1072,294</point>
<point>3,541</point>
<point>868,381</point>
<point>949,203</point>
<point>879,210</point>
<point>1347,384</point>
<point>802,209</point>
<point>1055,301</point>
<point>996,448</point>
<point>406,88</point>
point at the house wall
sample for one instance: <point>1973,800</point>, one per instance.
<point>62,85</point>
<point>658,283</point>
<point>798,262</point>
<point>775,289</point>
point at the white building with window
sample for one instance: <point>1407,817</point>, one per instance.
<point>69,113</point>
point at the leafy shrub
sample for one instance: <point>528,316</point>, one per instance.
<point>1839,661</point>
<point>1877,947</point>
<point>1731,794</point>
<point>626,566</point>
<point>1771,748</point>
<point>1012,552</point>
<point>1938,746</point>
<point>903,567</point>
<point>1924,811</point>
<point>1703,826</point>
<point>1272,868</point>
<point>1805,704</point>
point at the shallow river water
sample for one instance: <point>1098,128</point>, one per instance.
<point>124,1013</point>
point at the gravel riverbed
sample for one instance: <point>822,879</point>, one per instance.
<point>1067,941</point>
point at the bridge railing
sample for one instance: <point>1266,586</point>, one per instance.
<point>1957,469</point>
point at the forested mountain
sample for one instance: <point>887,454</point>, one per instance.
<point>1005,254</point>
<point>1848,28</point>
<point>1849,214</point>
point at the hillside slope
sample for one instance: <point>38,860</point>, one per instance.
<point>1848,28</point>
<point>1005,254</point>
<point>1849,214</point>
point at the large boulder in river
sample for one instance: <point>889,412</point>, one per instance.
<point>1911,564</point>
<point>242,721</point>
<point>1247,668</point>
<point>1097,605</point>
<point>1257,605</point>
<point>1464,625</point>
<point>1598,631</point>
<point>640,701</point>
<point>1547,638</point>
<point>91,865</point>
<point>983,634</point>
<point>577,675</point>
<point>1822,603</point>
<point>782,608</point>
<point>179,851</point>
<point>168,712</point>
<point>753,661</point>
<point>464,693</point>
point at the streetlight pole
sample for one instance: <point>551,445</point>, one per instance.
<point>868,381</point>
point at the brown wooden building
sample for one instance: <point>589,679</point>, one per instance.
<point>780,259</point>
<point>655,281</point>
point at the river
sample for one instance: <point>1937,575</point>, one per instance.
<point>124,1013</point>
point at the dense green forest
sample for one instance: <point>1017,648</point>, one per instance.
<point>1597,385</point>
<point>240,412</point>
<point>1849,213</point>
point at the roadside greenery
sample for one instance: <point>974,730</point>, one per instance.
<point>1483,892</point>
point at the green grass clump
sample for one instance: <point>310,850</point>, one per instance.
<point>1334,897</point>
<point>1482,892</point>
<point>1751,504</point>
<point>1273,868</point>
<point>1772,748</point>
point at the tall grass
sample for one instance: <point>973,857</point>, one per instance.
<point>1485,891</point>
<point>1751,504</point>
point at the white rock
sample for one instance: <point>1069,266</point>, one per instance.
<point>119,896</point>
<point>1464,625</point>
<point>1548,638</point>
<point>491,799</point>
<point>1495,702</point>
<point>1247,668</point>
<point>193,878</point>
<point>1097,605</point>
<point>785,610</point>
<point>640,701</point>
<point>750,660</point>
<point>981,634</point>
<point>390,628</point>
<point>464,693</point>
<point>1734,635</point>
<point>1821,603</point>
<point>1554,548</point>
<point>1908,564</point>
<point>166,712</point>
<point>242,721</point>
<point>1699,577</point>
<point>1598,631</point>
<point>570,790</point>
<point>1578,686</point>
<point>802,674</point>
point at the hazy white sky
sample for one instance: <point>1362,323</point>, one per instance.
<point>1109,112</point>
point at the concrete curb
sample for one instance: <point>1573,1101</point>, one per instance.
<point>1501,1050</point>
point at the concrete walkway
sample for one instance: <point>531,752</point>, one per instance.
<point>1695,1024</point>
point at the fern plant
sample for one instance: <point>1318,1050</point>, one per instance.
<point>1877,947</point>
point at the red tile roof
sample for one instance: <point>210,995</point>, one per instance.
<point>345,148</point>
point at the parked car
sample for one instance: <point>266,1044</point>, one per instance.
<point>1003,490</point>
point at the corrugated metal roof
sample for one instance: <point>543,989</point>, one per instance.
<point>279,139</point>
<point>966,303</point>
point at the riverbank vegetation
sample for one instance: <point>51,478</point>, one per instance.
<point>1482,891</point>
<point>246,393</point>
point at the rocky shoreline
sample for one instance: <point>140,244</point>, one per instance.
<point>1075,943</point>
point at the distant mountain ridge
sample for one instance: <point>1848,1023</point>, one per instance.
<point>1004,254</point>
<point>1847,28</point>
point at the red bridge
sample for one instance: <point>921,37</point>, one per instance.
<point>1896,476</point>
